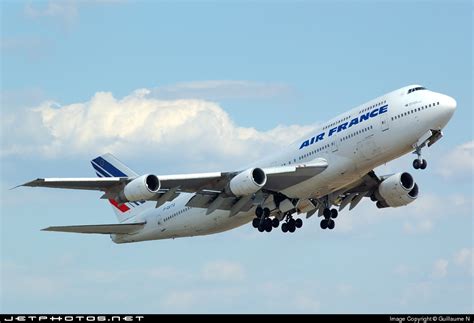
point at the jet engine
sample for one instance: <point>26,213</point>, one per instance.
<point>247,182</point>
<point>141,188</point>
<point>397,190</point>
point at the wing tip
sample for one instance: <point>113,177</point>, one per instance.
<point>32,183</point>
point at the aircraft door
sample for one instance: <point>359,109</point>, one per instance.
<point>334,146</point>
<point>385,123</point>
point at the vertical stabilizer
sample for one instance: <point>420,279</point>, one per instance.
<point>108,165</point>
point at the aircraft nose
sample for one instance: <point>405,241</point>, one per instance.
<point>450,103</point>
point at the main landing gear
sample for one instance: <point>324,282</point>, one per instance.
<point>262,221</point>
<point>291,224</point>
<point>328,222</point>
<point>419,163</point>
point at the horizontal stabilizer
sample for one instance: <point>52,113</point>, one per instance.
<point>101,229</point>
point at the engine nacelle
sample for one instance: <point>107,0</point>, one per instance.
<point>247,182</point>
<point>397,190</point>
<point>141,188</point>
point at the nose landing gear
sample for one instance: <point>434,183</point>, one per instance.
<point>419,163</point>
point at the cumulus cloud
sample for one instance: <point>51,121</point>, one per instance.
<point>198,300</point>
<point>440,268</point>
<point>137,124</point>
<point>222,89</point>
<point>307,304</point>
<point>30,47</point>
<point>66,10</point>
<point>404,270</point>
<point>417,218</point>
<point>180,300</point>
<point>421,216</point>
<point>465,258</point>
<point>459,162</point>
<point>421,226</point>
<point>22,282</point>
<point>418,291</point>
<point>223,271</point>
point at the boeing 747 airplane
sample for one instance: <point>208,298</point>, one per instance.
<point>320,174</point>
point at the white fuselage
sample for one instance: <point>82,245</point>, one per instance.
<point>353,144</point>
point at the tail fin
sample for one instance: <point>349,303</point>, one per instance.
<point>108,165</point>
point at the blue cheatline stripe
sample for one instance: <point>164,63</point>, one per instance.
<point>98,174</point>
<point>100,170</point>
<point>111,169</point>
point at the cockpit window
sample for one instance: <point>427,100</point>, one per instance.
<point>416,89</point>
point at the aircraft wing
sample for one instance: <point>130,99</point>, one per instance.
<point>100,229</point>
<point>354,193</point>
<point>278,178</point>
<point>207,186</point>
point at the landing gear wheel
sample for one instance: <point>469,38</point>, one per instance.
<point>324,224</point>
<point>275,223</point>
<point>268,225</point>
<point>327,213</point>
<point>255,222</point>
<point>291,222</point>
<point>331,224</point>
<point>291,228</point>
<point>298,223</point>
<point>266,212</point>
<point>416,164</point>
<point>259,211</point>
<point>268,228</point>
<point>261,228</point>
<point>333,213</point>
<point>284,227</point>
<point>424,163</point>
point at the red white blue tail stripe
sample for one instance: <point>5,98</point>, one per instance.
<point>103,168</point>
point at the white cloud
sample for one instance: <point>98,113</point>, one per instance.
<point>421,291</point>
<point>21,281</point>
<point>199,300</point>
<point>307,304</point>
<point>30,47</point>
<point>17,99</point>
<point>422,226</point>
<point>138,124</point>
<point>344,289</point>
<point>465,258</point>
<point>404,270</point>
<point>180,300</point>
<point>65,10</point>
<point>459,162</point>
<point>223,271</point>
<point>440,268</point>
<point>222,89</point>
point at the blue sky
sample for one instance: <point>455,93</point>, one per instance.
<point>232,82</point>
